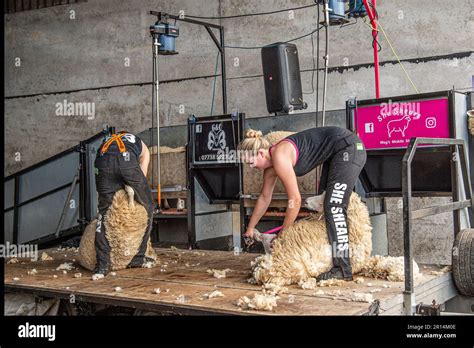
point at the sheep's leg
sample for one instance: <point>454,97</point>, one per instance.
<point>265,239</point>
<point>131,196</point>
<point>315,203</point>
<point>135,179</point>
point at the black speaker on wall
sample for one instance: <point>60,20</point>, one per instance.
<point>281,74</point>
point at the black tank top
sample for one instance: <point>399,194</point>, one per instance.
<point>316,145</point>
<point>132,143</point>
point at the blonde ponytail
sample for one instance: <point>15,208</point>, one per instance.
<point>253,141</point>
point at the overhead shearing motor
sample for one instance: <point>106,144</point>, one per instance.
<point>167,37</point>
<point>337,12</point>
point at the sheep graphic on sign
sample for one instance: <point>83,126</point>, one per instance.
<point>216,139</point>
<point>399,125</point>
<point>393,124</point>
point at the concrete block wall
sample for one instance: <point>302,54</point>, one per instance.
<point>99,52</point>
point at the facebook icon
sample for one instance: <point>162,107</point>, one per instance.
<point>369,127</point>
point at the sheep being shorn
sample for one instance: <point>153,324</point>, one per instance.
<point>125,222</point>
<point>303,251</point>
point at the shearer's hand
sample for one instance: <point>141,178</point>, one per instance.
<point>249,233</point>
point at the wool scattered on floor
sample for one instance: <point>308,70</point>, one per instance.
<point>97,276</point>
<point>13,260</point>
<point>261,302</point>
<point>46,257</point>
<point>362,297</point>
<point>215,293</point>
<point>331,282</point>
<point>388,268</point>
<point>218,273</point>
<point>67,266</point>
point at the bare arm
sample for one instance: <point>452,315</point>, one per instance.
<point>144,159</point>
<point>263,201</point>
<point>284,170</point>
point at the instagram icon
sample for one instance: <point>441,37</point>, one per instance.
<point>430,122</point>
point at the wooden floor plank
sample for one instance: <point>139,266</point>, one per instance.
<point>186,278</point>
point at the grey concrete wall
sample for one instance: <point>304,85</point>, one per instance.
<point>432,237</point>
<point>84,60</point>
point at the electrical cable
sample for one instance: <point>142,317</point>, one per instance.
<point>275,44</point>
<point>317,67</point>
<point>312,57</point>
<point>393,50</point>
<point>312,74</point>
<point>319,168</point>
<point>398,59</point>
<point>376,16</point>
<point>251,14</point>
<point>214,84</point>
<point>326,57</point>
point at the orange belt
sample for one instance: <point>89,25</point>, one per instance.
<point>115,138</point>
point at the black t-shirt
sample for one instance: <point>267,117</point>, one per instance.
<point>316,145</point>
<point>132,143</point>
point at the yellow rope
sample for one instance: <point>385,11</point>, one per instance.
<point>393,50</point>
<point>369,25</point>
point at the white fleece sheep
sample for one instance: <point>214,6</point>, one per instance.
<point>125,223</point>
<point>303,251</point>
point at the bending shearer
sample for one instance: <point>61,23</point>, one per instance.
<point>343,156</point>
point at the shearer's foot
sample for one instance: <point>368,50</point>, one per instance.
<point>334,273</point>
<point>99,273</point>
<point>145,262</point>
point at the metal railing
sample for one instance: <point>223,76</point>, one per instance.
<point>66,173</point>
<point>457,155</point>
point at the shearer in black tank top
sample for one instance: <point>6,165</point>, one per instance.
<point>343,156</point>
